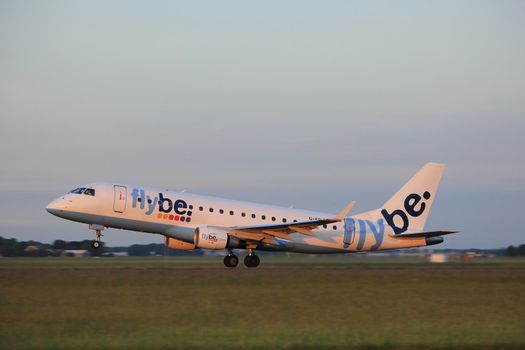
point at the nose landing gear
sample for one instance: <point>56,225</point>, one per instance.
<point>96,244</point>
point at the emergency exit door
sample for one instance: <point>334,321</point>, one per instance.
<point>119,204</point>
<point>348,238</point>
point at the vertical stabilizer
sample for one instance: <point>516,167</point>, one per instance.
<point>408,209</point>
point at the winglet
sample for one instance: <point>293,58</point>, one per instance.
<point>345,211</point>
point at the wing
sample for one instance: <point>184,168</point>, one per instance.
<point>268,233</point>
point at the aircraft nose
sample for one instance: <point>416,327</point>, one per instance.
<point>56,206</point>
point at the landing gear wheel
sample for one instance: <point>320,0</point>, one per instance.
<point>231,260</point>
<point>251,260</point>
<point>96,244</point>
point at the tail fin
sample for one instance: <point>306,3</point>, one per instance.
<point>408,209</point>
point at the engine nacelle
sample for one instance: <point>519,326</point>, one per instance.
<point>173,243</point>
<point>211,238</point>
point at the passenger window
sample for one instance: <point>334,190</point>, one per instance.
<point>211,210</point>
<point>201,208</point>
<point>284,219</point>
<point>243,214</point>
<point>89,192</point>
<point>324,226</point>
<point>253,216</point>
<point>231,212</point>
<point>221,211</point>
<point>334,227</point>
<point>273,218</point>
<point>294,220</point>
<point>263,217</point>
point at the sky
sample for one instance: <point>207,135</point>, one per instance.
<point>304,103</point>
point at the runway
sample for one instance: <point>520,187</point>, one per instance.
<point>286,303</point>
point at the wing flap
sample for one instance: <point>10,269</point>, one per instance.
<point>249,236</point>
<point>302,230</point>
<point>424,234</point>
<point>277,234</point>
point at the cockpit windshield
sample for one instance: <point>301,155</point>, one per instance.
<point>78,190</point>
<point>83,190</point>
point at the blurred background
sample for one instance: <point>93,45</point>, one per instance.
<point>302,103</point>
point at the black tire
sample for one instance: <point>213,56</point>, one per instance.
<point>256,260</point>
<point>234,260</point>
<point>231,260</point>
<point>251,260</point>
<point>95,244</point>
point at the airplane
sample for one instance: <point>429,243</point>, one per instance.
<point>191,221</point>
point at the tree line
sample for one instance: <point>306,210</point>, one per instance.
<point>515,251</point>
<point>10,247</point>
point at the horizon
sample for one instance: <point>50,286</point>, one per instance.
<point>218,252</point>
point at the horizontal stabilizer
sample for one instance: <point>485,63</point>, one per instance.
<point>424,234</point>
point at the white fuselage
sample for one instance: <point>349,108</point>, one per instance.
<point>177,215</point>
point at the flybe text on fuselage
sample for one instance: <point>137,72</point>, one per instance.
<point>173,209</point>
<point>377,230</point>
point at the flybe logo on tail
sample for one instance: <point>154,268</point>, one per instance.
<point>410,204</point>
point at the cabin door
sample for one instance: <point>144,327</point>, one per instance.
<point>348,238</point>
<point>119,204</point>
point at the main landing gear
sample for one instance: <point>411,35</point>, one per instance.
<point>96,244</point>
<point>251,260</point>
<point>231,260</point>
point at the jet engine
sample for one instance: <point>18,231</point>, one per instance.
<point>173,243</point>
<point>211,238</point>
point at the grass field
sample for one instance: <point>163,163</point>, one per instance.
<point>286,303</point>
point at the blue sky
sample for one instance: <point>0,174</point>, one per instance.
<point>305,103</point>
